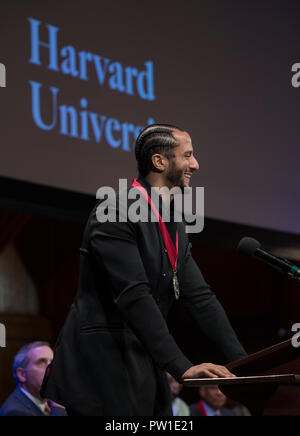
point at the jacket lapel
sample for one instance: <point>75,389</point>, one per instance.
<point>26,402</point>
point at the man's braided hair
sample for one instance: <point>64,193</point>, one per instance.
<point>156,138</point>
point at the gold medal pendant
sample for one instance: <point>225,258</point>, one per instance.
<point>176,285</point>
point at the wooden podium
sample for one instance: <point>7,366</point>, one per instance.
<point>267,382</point>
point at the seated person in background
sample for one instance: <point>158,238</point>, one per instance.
<point>211,403</point>
<point>29,368</point>
<point>179,407</point>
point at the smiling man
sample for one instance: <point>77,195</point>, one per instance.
<point>165,156</point>
<point>115,347</point>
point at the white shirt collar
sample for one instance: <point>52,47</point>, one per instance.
<point>210,411</point>
<point>36,401</point>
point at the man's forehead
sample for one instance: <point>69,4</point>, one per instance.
<point>183,138</point>
<point>181,135</point>
<point>40,352</point>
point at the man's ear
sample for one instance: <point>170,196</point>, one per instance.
<point>21,375</point>
<point>159,162</point>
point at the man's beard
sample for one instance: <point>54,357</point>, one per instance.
<point>176,176</point>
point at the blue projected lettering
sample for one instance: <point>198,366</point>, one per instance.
<point>35,43</point>
<point>67,61</point>
<point>112,124</point>
<point>36,106</point>
<point>81,123</point>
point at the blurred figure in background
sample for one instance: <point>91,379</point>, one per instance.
<point>211,403</point>
<point>179,407</point>
<point>29,368</point>
<point>238,408</point>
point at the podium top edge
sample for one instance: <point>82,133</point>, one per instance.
<point>276,378</point>
<point>272,350</point>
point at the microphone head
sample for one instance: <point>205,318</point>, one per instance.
<point>248,246</point>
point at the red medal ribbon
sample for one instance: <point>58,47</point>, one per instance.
<point>201,408</point>
<point>171,250</point>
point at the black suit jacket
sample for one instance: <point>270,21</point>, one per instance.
<point>111,355</point>
<point>18,404</point>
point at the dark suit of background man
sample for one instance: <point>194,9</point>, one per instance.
<point>115,347</point>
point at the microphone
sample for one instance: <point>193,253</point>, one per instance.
<point>252,248</point>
